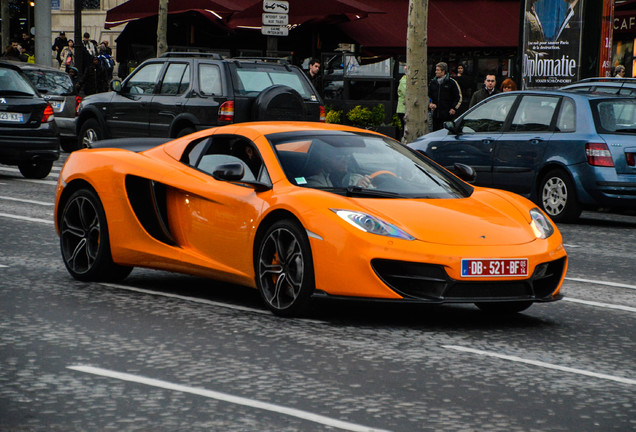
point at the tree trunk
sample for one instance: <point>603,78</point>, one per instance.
<point>4,14</point>
<point>416,100</point>
<point>162,28</point>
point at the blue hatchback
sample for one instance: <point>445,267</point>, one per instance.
<point>565,151</point>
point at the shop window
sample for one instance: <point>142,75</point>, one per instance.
<point>91,4</point>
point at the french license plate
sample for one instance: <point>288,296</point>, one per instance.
<point>11,117</point>
<point>494,267</point>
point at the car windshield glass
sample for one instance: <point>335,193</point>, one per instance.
<point>615,115</point>
<point>12,83</point>
<point>362,165</point>
<point>54,82</point>
<point>257,80</point>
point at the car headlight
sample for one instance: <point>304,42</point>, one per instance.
<point>540,224</point>
<point>372,224</point>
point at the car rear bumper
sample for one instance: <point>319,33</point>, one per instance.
<point>20,149</point>
<point>66,126</point>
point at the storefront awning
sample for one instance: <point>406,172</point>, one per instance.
<point>138,9</point>
<point>451,24</point>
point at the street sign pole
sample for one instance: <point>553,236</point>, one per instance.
<point>275,21</point>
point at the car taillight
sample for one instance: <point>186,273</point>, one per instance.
<point>598,154</point>
<point>78,101</point>
<point>323,114</point>
<point>48,114</point>
<point>631,159</point>
<point>226,111</point>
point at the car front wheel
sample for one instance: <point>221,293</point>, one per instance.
<point>558,197</point>
<point>84,240</point>
<point>90,132</point>
<point>284,268</point>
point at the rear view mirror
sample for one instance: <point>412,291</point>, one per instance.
<point>115,85</point>
<point>464,172</point>
<point>229,172</point>
<point>450,126</point>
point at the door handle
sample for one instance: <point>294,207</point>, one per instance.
<point>536,141</point>
<point>486,141</point>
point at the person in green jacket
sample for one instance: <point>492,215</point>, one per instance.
<point>401,91</point>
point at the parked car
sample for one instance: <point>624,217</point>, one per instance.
<point>616,86</point>
<point>57,89</point>
<point>565,150</point>
<point>180,93</point>
<point>250,204</point>
<point>28,135</point>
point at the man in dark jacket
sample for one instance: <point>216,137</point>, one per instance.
<point>94,79</point>
<point>490,88</point>
<point>60,43</point>
<point>445,96</point>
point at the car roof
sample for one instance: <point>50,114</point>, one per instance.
<point>34,66</point>
<point>569,94</point>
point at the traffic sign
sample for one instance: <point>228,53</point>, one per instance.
<point>276,6</point>
<point>274,31</point>
<point>275,19</point>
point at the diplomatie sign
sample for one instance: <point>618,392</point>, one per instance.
<point>551,42</point>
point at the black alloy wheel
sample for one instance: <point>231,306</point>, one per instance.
<point>284,268</point>
<point>84,240</point>
<point>90,132</point>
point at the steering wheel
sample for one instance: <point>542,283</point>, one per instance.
<point>381,172</point>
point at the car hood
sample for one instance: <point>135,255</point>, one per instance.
<point>484,219</point>
<point>421,142</point>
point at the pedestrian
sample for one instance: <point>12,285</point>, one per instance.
<point>12,53</point>
<point>58,46</point>
<point>94,79</point>
<point>89,44</point>
<point>401,106</point>
<point>74,74</point>
<point>445,96</point>
<point>466,86</point>
<point>105,49</point>
<point>619,71</point>
<point>68,56</point>
<point>508,85</point>
<point>27,43</point>
<point>314,75</point>
<point>489,89</point>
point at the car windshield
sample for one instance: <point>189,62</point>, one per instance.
<point>362,165</point>
<point>12,83</point>
<point>255,80</point>
<point>615,115</point>
<point>54,82</point>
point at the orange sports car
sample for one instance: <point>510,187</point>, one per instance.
<point>301,209</point>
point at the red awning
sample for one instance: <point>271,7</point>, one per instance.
<point>451,23</point>
<point>137,9</point>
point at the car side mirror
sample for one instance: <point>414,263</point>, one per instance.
<point>450,126</point>
<point>115,85</point>
<point>464,172</point>
<point>229,172</point>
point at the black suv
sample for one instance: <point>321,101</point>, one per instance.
<point>180,93</point>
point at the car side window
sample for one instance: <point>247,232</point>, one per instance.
<point>566,122</point>
<point>176,79</point>
<point>489,116</point>
<point>534,113</point>
<point>144,80</point>
<point>210,80</point>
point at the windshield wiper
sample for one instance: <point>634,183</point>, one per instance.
<point>358,191</point>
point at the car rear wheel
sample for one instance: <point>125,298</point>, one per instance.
<point>36,170</point>
<point>504,307</point>
<point>284,268</point>
<point>558,197</point>
<point>90,132</point>
<point>84,240</point>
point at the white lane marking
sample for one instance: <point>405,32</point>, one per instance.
<point>27,201</point>
<point>3,266</point>
<point>46,182</point>
<point>225,397</point>
<point>543,364</point>
<point>603,305</point>
<point>26,218</point>
<point>202,301</point>
<point>571,246</point>
<point>598,282</point>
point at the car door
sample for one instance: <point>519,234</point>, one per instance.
<point>518,153</point>
<point>479,130</point>
<point>129,112</point>
<point>169,100</point>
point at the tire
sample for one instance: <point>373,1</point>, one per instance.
<point>84,240</point>
<point>285,284</point>
<point>279,102</point>
<point>185,131</point>
<point>90,132</point>
<point>35,170</point>
<point>557,197</point>
<point>68,145</point>
<point>504,307</point>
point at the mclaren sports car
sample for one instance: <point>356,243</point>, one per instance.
<point>297,210</point>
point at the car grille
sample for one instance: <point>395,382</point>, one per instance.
<point>420,281</point>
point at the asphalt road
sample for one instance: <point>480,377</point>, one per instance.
<point>167,352</point>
